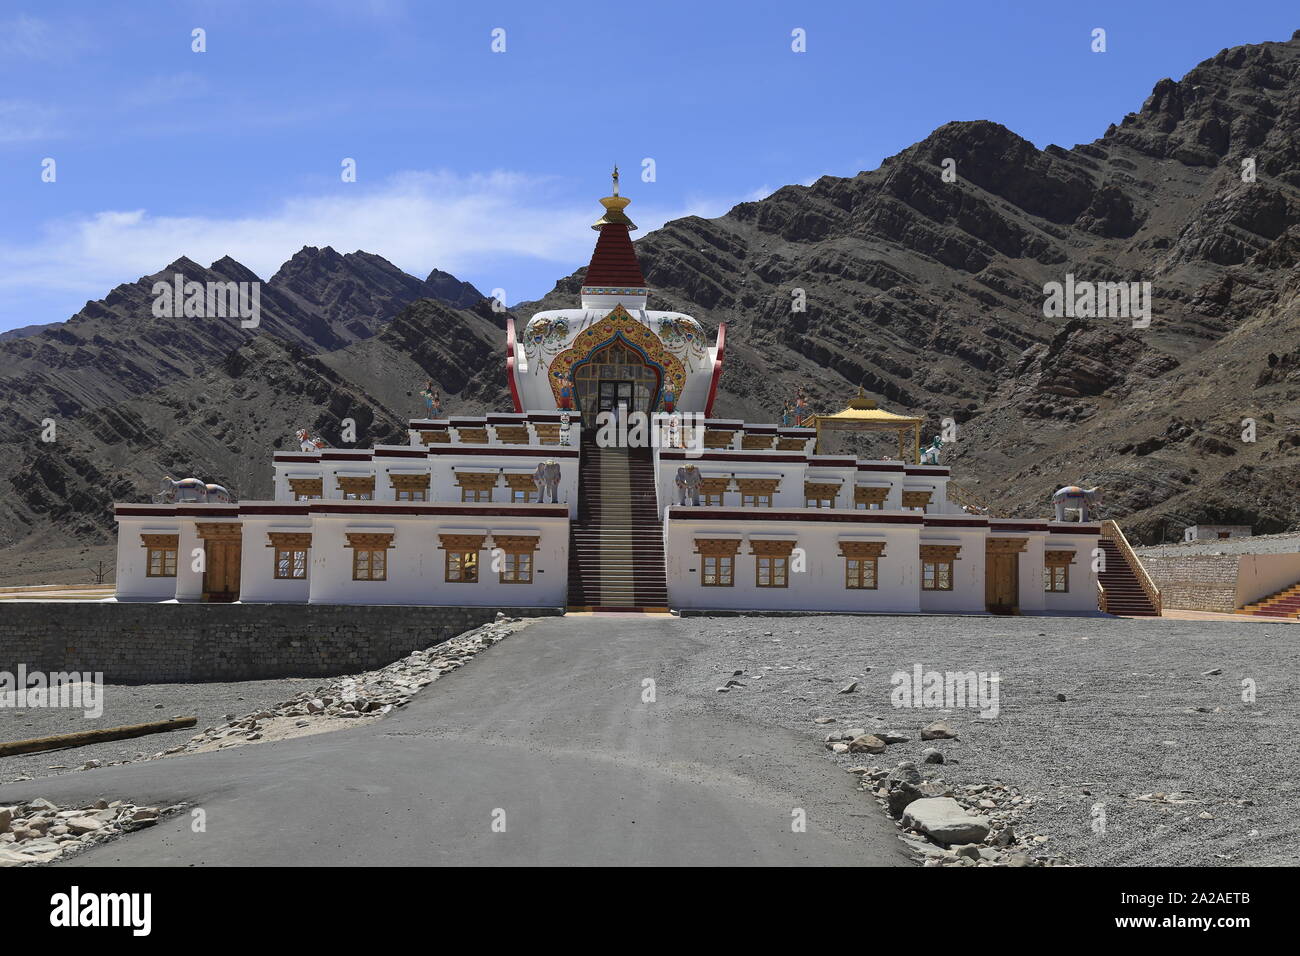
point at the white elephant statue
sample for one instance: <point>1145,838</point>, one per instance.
<point>1073,496</point>
<point>219,493</point>
<point>191,491</point>
<point>182,490</point>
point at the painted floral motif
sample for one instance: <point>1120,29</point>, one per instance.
<point>683,337</point>
<point>543,339</point>
<point>619,323</point>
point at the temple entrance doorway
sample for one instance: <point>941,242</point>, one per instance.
<point>613,376</point>
<point>1002,575</point>
<point>222,544</point>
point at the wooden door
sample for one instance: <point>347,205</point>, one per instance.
<point>222,558</point>
<point>1002,575</point>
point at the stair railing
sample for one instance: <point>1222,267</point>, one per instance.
<point>971,502</point>
<point>1109,529</point>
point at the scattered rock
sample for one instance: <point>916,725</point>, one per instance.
<point>849,688</point>
<point>939,730</point>
<point>867,743</point>
<point>932,755</point>
<point>944,820</point>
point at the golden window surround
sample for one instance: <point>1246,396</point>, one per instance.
<point>220,532</point>
<point>756,442</point>
<point>772,548</point>
<point>717,546</point>
<point>940,552</point>
<point>516,543</point>
<point>472,436</point>
<point>1058,559</point>
<point>440,437</point>
<point>289,540</point>
<point>862,549</point>
<point>369,540</point>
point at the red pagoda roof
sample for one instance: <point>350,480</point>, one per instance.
<point>613,263</point>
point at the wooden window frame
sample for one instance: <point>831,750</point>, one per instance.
<point>292,562</point>
<point>717,560</point>
<point>369,543</point>
<point>917,500</point>
<point>774,557</point>
<point>161,545</point>
<point>519,562</point>
<point>819,491</point>
<point>858,557</point>
<point>369,564</point>
<point>1056,569</point>
<point>938,560</point>
<point>518,485</point>
<point>410,487</point>
<point>778,570</point>
<point>291,543</point>
<point>869,498</point>
<point>474,485</point>
<point>757,492</point>
<point>934,573</point>
<point>717,570</point>
<point>166,559</point>
<point>356,487</point>
<point>307,489</point>
<point>462,558</point>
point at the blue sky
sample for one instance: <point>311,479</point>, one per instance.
<point>488,165</point>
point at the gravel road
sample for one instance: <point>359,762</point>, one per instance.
<point>134,704</point>
<point>1124,729</point>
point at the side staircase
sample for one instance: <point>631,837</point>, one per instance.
<point>1126,588</point>
<point>1283,604</point>
<point>616,546</point>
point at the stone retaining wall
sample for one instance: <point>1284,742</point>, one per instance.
<point>1197,582</point>
<point>181,643</point>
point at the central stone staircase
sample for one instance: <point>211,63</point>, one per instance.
<point>616,549</point>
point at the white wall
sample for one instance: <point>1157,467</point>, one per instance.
<point>257,581</point>
<point>1082,596</point>
<point>967,594</point>
<point>416,563</point>
<point>1259,575</point>
<point>819,588</point>
<point>132,571</point>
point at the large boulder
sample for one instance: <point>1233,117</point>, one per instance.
<point>944,820</point>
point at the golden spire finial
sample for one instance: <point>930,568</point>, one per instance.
<point>614,206</point>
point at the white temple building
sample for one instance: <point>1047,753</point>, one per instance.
<point>455,517</point>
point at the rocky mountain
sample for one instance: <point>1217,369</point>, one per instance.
<point>930,294</point>
<point>928,290</point>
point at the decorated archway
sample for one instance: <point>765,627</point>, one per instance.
<point>614,349</point>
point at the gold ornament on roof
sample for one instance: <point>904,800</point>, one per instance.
<point>614,206</point>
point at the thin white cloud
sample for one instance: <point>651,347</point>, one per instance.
<point>30,38</point>
<point>22,121</point>
<point>417,220</point>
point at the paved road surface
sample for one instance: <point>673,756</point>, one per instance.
<point>548,726</point>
